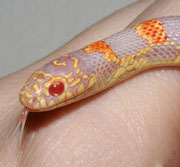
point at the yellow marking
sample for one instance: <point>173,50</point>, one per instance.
<point>128,58</point>
<point>80,89</point>
<point>75,62</point>
<point>26,84</point>
<point>69,75</point>
<point>177,59</point>
<point>136,64</point>
<point>142,61</point>
<point>37,89</point>
<point>166,43</point>
<point>22,100</point>
<point>55,62</point>
<point>22,92</point>
<point>126,64</point>
<point>71,80</point>
<point>117,61</point>
<point>69,95</point>
<point>43,103</point>
<point>36,106</point>
<point>114,59</point>
<point>123,60</point>
<point>61,98</point>
<point>85,76</point>
<point>142,51</point>
<point>47,84</point>
<point>51,103</point>
<point>129,68</point>
<point>131,61</point>
<point>91,81</point>
<point>46,92</point>
<point>76,82</point>
<point>39,80</point>
<point>28,95</point>
<point>178,47</point>
<point>78,70</point>
<point>65,55</point>
<point>39,98</point>
<point>82,73</point>
<point>119,72</point>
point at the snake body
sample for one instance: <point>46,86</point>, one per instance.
<point>93,68</point>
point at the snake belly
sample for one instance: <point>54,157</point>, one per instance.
<point>89,70</point>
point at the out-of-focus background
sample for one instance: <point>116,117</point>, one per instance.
<point>31,29</point>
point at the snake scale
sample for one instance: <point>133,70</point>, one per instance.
<point>93,68</point>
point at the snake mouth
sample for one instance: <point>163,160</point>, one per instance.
<point>57,105</point>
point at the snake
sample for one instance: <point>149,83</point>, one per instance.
<point>89,70</point>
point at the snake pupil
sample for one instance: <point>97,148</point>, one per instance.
<point>56,89</point>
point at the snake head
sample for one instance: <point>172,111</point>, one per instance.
<point>58,83</point>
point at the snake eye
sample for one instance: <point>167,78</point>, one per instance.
<point>56,88</point>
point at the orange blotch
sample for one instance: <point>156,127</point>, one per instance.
<point>101,47</point>
<point>152,31</point>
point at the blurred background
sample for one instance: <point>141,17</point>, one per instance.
<point>31,29</point>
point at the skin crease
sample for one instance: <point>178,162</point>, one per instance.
<point>135,123</point>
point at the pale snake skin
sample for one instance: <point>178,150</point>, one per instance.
<point>102,64</point>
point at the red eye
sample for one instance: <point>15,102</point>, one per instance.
<point>56,89</point>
